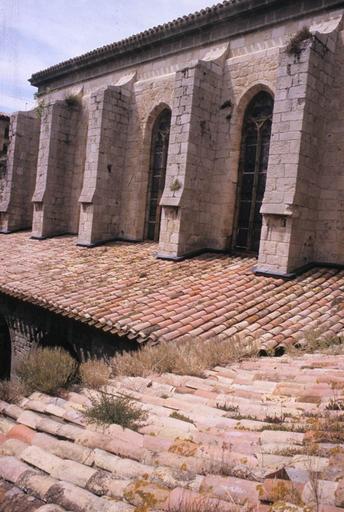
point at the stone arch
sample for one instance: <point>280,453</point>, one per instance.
<point>252,168</point>
<point>239,112</point>
<point>156,143</point>
<point>5,350</point>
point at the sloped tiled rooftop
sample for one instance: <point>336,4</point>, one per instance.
<point>253,436</point>
<point>123,289</point>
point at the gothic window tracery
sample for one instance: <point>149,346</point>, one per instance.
<point>254,156</point>
<point>157,174</point>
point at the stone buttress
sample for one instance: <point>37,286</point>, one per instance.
<point>187,198</point>
<point>290,207</point>
<point>18,181</point>
<point>54,205</point>
<point>105,159</point>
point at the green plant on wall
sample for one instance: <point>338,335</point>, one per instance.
<point>40,109</point>
<point>175,185</point>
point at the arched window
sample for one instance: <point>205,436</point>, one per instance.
<point>157,173</point>
<point>5,350</point>
<point>254,156</point>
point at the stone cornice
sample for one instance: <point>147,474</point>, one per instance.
<point>228,15</point>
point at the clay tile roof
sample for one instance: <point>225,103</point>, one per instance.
<point>242,438</point>
<point>133,42</point>
<point>122,288</point>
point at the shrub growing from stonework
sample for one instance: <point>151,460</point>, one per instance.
<point>47,370</point>
<point>294,46</point>
<point>108,409</point>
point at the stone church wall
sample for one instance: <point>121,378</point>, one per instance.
<point>93,156</point>
<point>330,223</point>
<point>149,98</point>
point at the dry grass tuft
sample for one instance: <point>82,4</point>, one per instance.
<point>94,373</point>
<point>188,502</point>
<point>191,357</point>
<point>47,370</point>
<point>317,340</point>
<point>11,391</point>
<point>181,417</point>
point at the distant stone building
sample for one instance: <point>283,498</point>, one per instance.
<point>219,131</point>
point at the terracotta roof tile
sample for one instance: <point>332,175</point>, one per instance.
<point>251,425</point>
<point>205,296</point>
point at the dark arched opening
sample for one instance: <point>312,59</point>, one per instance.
<point>254,156</point>
<point>157,173</point>
<point>5,350</point>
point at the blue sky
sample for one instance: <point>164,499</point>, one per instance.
<point>35,34</point>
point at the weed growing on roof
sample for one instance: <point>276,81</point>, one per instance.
<point>281,491</point>
<point>328,428</point>
<point>335,405</point>
<point>192,502</point>
<point>286,427</point>
<point>108,409</point>
<point>190,357</point>
<point>47,370</point>
<point>228,407</point>
<point>94,373</point>
<point>11,391</point>
<point>178,416</point>
<point>275,419</point>
<point>317,340</point>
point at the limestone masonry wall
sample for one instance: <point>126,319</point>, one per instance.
<point>84,164</point>
<point>105,157</point>
<point>18,180</point>
<point>57,166</point>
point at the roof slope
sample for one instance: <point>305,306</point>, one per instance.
<point>123,289</point>
<point>243,438</point>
